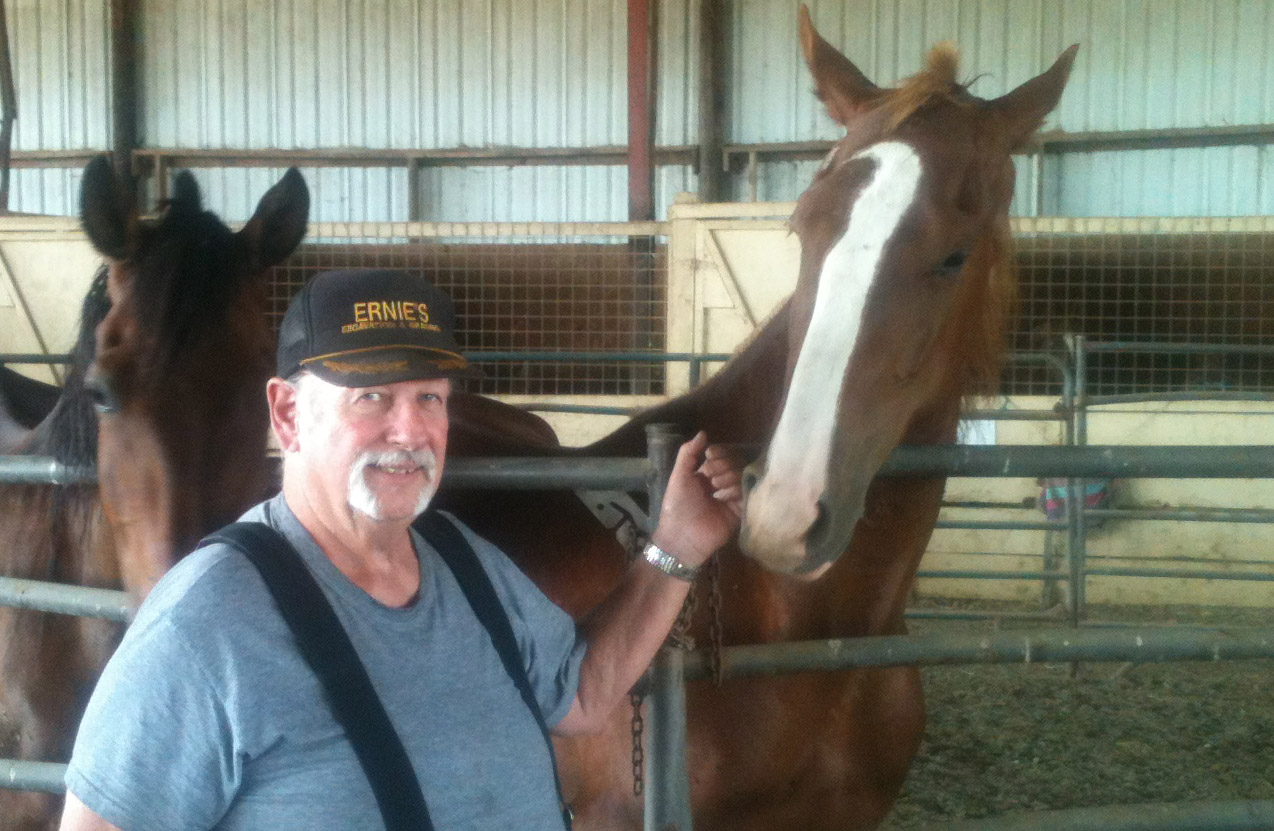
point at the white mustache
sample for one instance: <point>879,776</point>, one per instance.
<point>423,459</point>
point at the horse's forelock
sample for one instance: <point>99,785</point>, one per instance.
<point>185,279</point>
<point>936,81</point>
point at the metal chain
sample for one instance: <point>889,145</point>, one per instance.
<point>636,542</point>
<point>680,636</point>
<point>639,756</point>
<point>714,626</point>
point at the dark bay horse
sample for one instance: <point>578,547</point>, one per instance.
<point>165,398</point>
<point>898,315</point>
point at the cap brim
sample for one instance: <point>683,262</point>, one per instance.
<point>374,367</point>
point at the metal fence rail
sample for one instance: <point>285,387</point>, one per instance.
<point>634,474</point>
<point>16,775</point>
<point>1042,646</point>
<point>1088,462</point>
<point>1138,645</point>
<point>64,599</point>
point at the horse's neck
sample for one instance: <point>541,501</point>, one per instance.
<point>737,405</point>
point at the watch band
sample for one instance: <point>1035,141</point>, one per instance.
<point>669,564</point>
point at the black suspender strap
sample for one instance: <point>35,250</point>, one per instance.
<point>326,647</point>
<point>445,538</point>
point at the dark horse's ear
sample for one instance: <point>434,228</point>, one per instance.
<point>840,85</point>
<point>1022,111</point>
<point>106,210</point>
<point>278,225</point>
<point>186,197</point>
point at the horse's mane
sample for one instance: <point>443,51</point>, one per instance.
<point>936,81</point>
<point>69,434</point>
<point>986,335</point>
<point>185,278</point>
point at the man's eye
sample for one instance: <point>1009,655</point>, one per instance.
<point>370,397</point>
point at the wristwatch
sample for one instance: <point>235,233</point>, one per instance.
<point>669,564</point>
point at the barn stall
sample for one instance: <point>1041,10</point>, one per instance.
<point>1143,231</point>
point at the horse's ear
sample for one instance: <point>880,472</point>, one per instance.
<point>842,88</point>
<point>1022,111</point>
<point>106,210</point>
<point>186,196</point>
<point>278,225</point>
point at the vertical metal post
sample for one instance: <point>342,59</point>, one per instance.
<point>642,60</point>
<point>667,773</point>
<point>8,108</point>
<point>415,211</point>
<point>711,97</point>
<point>1078,528</point>
<point>641,111</point>
<point>1075,496</point>
<point>667,793</point>
<point>1049,592</point>
<point>124,94</point>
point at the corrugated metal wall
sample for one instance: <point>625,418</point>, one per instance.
<point>61,69</point>
<point>551,73</point>
<point>387,74</point>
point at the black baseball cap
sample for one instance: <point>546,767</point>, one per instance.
<point>363,328</point>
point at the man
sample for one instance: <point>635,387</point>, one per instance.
<point>207,716</point>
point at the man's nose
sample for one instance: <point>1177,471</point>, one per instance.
<point>408,425</point>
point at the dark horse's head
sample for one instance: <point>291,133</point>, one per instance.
<point>900,304</point>
<point>180,362</point>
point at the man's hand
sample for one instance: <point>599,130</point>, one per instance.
<point>701,511</point>
<point>703,502</point>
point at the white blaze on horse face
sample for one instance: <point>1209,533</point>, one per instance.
<point>786,501</point>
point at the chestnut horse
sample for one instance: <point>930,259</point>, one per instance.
<point>173,353</point>
<point>898,314</point>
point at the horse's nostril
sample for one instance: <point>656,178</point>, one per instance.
<point>750,478</point>
<point>820,527</point>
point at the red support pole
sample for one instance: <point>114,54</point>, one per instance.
<point>641,118</point>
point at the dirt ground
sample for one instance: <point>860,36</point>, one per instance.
<point>1013,738</point>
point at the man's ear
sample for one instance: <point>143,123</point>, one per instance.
<point>284,410</point>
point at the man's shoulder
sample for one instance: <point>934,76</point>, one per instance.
<point>205,586</point>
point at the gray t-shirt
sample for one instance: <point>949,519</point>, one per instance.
<point>207,717</point>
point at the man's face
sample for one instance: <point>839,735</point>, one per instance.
<point>377,451</point>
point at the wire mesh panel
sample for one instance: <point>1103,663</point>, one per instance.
<point>1165,281</point>
<point>577,287</point>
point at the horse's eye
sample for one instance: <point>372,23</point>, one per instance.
<point>952,265</point>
